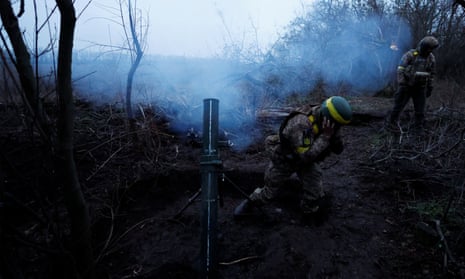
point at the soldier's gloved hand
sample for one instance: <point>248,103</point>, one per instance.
<point>429,90</point>
<point>327,127</point>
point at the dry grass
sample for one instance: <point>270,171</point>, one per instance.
<point>428,170</point>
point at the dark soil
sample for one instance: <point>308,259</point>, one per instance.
<point>137,193</point>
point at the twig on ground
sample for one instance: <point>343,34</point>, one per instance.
<point>110,236</point>
<point>138,224</point>
<point>443,240</point>
<point>189,202</point>
<point>239,260</point>
<point>105,162</point>
<point>453,146</point>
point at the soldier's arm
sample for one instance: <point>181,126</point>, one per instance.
<point>320,143</point>
<point>319,146</point>
<point>430,80</point>
<point>402,68</point>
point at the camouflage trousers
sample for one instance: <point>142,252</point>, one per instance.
<point>402,97</point>
<point>278,172</point>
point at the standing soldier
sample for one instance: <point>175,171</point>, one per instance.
<point>415,76</point>
<point>305,139</point>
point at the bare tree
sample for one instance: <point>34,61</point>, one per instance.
<point>61,142</point>
<point>135,37</point>
<point>24,69</point>
<point>443,19</point>
<point>322,41</point>
<point>74,199</point>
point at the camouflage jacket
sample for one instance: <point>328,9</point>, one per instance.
<point>301,139</point>
<point>415,70</point>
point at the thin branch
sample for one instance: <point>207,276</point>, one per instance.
<point>444,242</point>
<point>106,161</point>
<point>83,9</point>
<point>109,238</point>
<point>47,19</point>
<point>453,146</point>
<point>21,9</point>
<point>240,260</point>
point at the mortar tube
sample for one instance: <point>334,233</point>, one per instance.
<point>210,165</point>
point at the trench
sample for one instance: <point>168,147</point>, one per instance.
<point>178,185</point>
<point>170,249</point>
<point>161,198</point>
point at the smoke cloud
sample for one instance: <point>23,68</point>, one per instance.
<point>359,55</point>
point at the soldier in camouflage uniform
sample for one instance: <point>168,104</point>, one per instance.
<point>304,140</point>
<point>415,76</point>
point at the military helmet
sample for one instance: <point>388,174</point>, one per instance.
<point>428,43</point>
<point>337,109</point>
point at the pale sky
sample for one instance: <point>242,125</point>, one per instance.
<point>183,27</point>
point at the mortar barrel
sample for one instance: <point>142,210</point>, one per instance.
<point>210,164</point>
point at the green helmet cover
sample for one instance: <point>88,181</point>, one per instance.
<point>337,109</point>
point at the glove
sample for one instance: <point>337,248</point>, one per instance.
<point>429,90</point>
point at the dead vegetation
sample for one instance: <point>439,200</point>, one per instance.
<point>427,174</point>
<point>118,167</point>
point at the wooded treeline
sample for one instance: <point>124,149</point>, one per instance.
<point>361,41</point>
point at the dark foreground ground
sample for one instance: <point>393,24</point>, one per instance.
<point>380,225</point>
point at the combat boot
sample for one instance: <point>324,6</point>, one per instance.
<point>316,212</point>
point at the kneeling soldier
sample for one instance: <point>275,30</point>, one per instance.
<point>305,139</point>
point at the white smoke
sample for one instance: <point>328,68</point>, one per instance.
<point>359,55</point>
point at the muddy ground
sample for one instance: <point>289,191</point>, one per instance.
<point>137,193</point>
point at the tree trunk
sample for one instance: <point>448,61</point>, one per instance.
<point>23,59</point>
<point>130,79</point>
<point>139,53</point>
<point>24,69</point>
<point>74,199</point>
